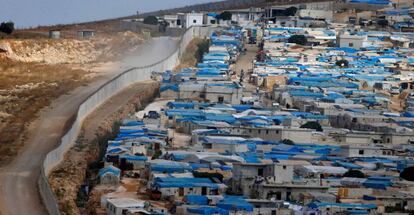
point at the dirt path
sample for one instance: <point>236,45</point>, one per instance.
<point>18,181</point>
<point>245,62</point>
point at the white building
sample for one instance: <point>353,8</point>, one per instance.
<point>364,151</point>
<point>215,92</point>
<point>351,41</point>
<point>225,144</point>
<point>175,20</point>
<point>316,14</point>
<point>121,206</point>
<point>194,19</point>
<point>246,15</point>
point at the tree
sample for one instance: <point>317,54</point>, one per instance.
<point>287,142</point>
<point>408,174</point>
<point>156,155</point>
<point>291,11</point>
<point>312,125</point>
<point>382,22</point>
<point>202,48</point>
<point>151,20</point>
<point>226,15</point>
<point>7,27</point>
<point>125,165</point>
<point>353,173</point>
<point>298,39</point>
<point>342,63</point>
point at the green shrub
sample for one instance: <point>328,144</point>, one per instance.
<point>7,27</point>
<point>298,39</point>
<point>151,20</point>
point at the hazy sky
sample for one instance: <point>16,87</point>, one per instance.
<point>25,13</point>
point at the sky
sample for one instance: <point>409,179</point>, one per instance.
<point>32,13</point>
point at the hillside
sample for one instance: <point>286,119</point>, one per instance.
<point>35,70</point>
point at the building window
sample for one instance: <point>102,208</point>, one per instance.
<point>259,131</point>
<point>361,152</point>
<point>267,131</point>
<point>194,21</point>
<point>220,99</point>
<point>351,44</point>
<point>260,172</point>
<point>213,21</point>
<point>277,131</point>
<point>284,167</point>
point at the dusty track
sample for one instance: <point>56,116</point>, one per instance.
<point>18,192</point>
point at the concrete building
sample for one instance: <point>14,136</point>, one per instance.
<point>316,14</point>
<point>86,33</point>
<point>225,144</point>
<point>121,206</point>
<point>276,133</point>
<point>175,20</point>
<point>245,175</point>
<point>211,19</point>
<point>367,138</point>
<point>287,191</point>
<point>194,19</point>
<point>364,151</point>
<point>54,34</point>
<point>179,187</point>
<point>351,41</point>
<point>224,92</point>
<point>246,15</point>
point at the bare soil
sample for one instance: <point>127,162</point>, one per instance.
<point>35,71</point>
<point>25,88</point>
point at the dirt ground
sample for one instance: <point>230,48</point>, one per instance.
<point>245,63</point>
<point>35,71</point>
<point>72,51</point>
<point>25,88</point>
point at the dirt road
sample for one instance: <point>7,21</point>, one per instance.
<point>18,192</point>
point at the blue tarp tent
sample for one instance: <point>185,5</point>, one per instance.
<point>235,203</point>
<point>196,200</point>
<point>110,169</point>
<point>316,205</point>
<point>207,211</point>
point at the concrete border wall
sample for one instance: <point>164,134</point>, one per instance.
<point>96,99</point>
